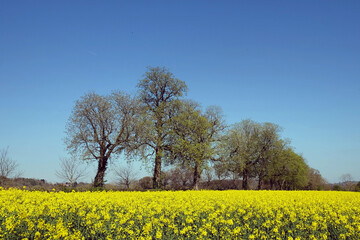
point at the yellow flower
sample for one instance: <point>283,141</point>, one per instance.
<point>179,215</point>
<point>158,234</point>
<point>37,236</point>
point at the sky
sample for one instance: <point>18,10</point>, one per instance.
<point>292,63</point>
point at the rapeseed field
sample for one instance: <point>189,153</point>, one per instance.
<point>179,215</point>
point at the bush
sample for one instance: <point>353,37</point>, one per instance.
<point>146,183</point>
<point>357,187</point>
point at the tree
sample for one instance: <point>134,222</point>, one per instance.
<point>8,166</point>
<point>255,150</point>
<point>101,127</point>
<point>238,149</point>
<point>223,170</point>
<point>158,91</point>
<point>316,181</point>
<point>180,178</point>
<point>125,176</point>
<point>145,183</point>
<point>70,171</point>
<point>347,181</point>
<point>357,187</point>
<point>289,171</point>
<point>268,147</point>
<point>194,134</point>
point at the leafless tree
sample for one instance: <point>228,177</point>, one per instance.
<point>101,127</point>
<point>346,178</point>
<point>8,166</point>
<point>347,181</point>
<point>70,171</point>
<point>125,176</point>
<point>180,178</point>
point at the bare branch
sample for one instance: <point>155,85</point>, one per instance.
<point>101,127</point>
<point>8,166</point>
<point>125,176</point>
<point>70,170</point>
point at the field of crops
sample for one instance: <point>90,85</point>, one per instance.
<point>179,215</point>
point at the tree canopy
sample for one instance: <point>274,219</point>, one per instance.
<point>158,91</point>
<point>159,126</point>
<point>102,126</point>
<point>255,150</point>
<point>193,137</point>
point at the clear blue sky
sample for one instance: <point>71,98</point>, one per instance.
<point>293,63</point>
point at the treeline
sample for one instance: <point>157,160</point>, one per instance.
<point>160,127</point>
<point>174,179</point>
<point>181,179</point>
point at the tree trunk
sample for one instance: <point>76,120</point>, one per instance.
<point>281,184</point>
<point>272,184</point>
<point>99,178</point>
<point>245,184</point>
<point>260,181</point>
<point>157,169</point>
<point>196,177</point>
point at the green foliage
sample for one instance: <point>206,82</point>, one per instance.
<point>193,135</point>
<point>255,150</point>
<point>98,189</point>
<point>158,93</point>
<point>295,170</point>
<point>159,87</point>
<point>238,150</point>
<point>158,125</point>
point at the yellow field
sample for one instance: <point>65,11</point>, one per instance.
<point>179,215</point>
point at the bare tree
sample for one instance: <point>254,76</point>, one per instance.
<point>346,178</point>
<point>8,166</point>
<point>70,171</point>
<point>101,127</point>
<point>347,181</point>
<point>180,178</point>
<point>125,176</point>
